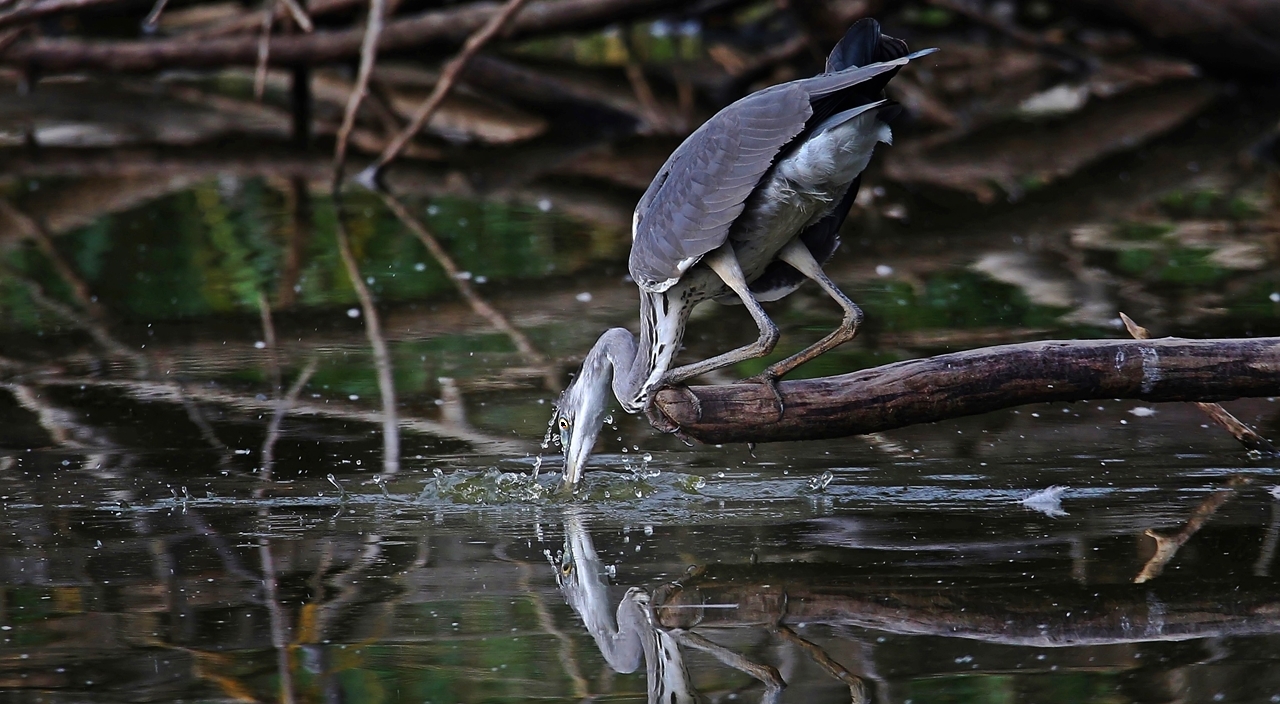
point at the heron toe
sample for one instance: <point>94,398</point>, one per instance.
<point>769,380</point>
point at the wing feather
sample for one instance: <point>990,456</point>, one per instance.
<point>703,187</point>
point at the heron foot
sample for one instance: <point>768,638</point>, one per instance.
<point>770,381</point>
<point>664,423</point>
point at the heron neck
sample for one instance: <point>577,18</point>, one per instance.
<point>661,330</point>
<point>638,366</point>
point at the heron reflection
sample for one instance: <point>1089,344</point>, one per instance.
<point>631,636</point>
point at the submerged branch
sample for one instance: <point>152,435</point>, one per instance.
<point>978,381</point>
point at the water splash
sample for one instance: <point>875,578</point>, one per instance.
<point>342,493</point>
<point>1047,501</point>
<point>820,482</point>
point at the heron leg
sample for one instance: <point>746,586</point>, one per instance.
<point>797,255</point>
<point>724,262</point>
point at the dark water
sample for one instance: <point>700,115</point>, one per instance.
<point>183,521</point>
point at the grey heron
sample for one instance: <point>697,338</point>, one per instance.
<point>744,210</point>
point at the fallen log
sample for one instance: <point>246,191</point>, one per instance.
<point>977,381</point>
<point>436,28</point>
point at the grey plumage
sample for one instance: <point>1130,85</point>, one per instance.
<point>745,210</point>
<point>702,188</point>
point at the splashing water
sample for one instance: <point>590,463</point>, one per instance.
<point>821,481</point>
<point>1047,501</point>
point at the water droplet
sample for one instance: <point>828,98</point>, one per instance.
<point>647,457</point>
<point>608,420</point>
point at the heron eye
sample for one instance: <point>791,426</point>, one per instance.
<point>564,424</point>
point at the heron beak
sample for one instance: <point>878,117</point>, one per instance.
<point>577,451</point>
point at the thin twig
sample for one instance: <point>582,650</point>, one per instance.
<point>473,298</point>
<point>368,56</point>
<point>1247,436</point>
<point>153,17</point>
<point>381,357</point>
<point>448,77</point>
<point>264,53</point>
<point>298,14</point>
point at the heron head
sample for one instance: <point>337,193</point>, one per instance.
<point>579,414</point>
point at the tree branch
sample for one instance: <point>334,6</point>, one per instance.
<point>438,29</point>
<point>448,77</point>
<point>978,381</point>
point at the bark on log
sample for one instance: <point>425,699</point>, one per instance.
<point>445,28</point>
<point>978,381</point>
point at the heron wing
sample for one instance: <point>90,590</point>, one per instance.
<point>693,201</point>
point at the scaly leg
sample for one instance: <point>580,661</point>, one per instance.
<point>797,255</point>
<point>724,262</point>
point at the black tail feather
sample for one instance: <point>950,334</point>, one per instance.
<point>864,44</point>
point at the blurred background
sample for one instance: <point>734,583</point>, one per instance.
<point>259,444</point>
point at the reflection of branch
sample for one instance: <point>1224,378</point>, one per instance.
<point>453,409</point>
<point>269,340</point>
<point>158,391</point>
<point>1167,546</point>
<point>59,424</point>
<point>857,688</point>
<point>282,407</point>
<point>35,231</point>
<point>299,231</point>
<point>448,77</point>
<point>279,624</point>
<point>1267,554</point>
<point>95,329</point>
<point>381,357</point>
<point>767,674</point>
<point>568,656</point>
<point>463,284</point>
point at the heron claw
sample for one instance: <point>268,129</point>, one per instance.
<point>663,423</point>
<point>770,382</point>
